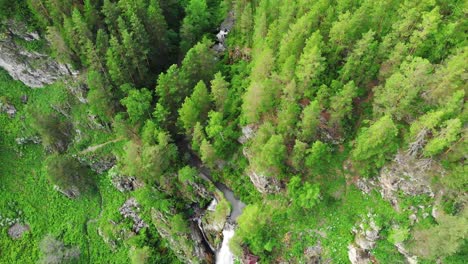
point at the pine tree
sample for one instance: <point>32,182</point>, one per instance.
<point>208,155</point>
<point>100,96</point>
<point>360,65</point>
<point>311,63</point>
<point>195,24</point>
<point>219,91</point>
<point>341,105</point>
<point>310,121</point>
<point>398,96</point>
<point>374,145</point>
<point>200,63</point>
<point>195,108</point>
<point>138,103</point>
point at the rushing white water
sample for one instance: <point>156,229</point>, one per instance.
<point>212,206</point>
<point>224,255</point>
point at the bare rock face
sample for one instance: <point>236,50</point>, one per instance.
<point>26,140</point>
<point>8,108</point>
<point>17,230</point>
<point>225,28</point>
<point>188,244</point>
<point>213,222</point>
<point>126,184</point>
<point>410,259</point>
<point>247,133</point>
<point>407,173</point>
<point>366,236</point>
<point>33,69</point>
<point>313,255</point>
<point>263,183</point>
<point>72,192</point>
<point>98,164</point>
<point>357,255</point>
<point>130,209</point>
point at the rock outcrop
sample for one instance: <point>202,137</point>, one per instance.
<point>130,209</point>
<point>188,245</point>
<point>17,230</point>
<point>32,68</point>
<point>71,192</point>
<point>366,236</point>
<point>8,109</point>
<point>98,163</point>
<point>313,255</point>
<point>407,174</point>
<point>263,183</point>
<point>214,220</point>
<point>248,132</point>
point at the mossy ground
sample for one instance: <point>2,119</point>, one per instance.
<point>24,187</point>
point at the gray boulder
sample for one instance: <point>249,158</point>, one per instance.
<point>17,230</point>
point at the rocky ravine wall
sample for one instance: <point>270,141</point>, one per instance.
<point>32,68</point>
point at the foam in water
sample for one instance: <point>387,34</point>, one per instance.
<point>224,255</point>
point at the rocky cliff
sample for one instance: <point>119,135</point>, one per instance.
<point>32,68</point>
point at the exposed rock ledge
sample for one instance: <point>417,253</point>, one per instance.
<point>33,69</point>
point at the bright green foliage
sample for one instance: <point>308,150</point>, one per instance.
<point>138,103</point>
<point>207,153</point>
<point>55,133</point>
<point>189,114</point>
<point>198,137</point>
<point>398,97</point>
<point>304,195</point>
<point>195,108</point>
<point>187,173</point>
<point>195,23</point>
<point>318,158</point>
<point>374,144</point>
<point>341,105</point>
<point>450,77</point>
<point>100,96</point>
<point>139,255</point>
<point>219,91</point>
<point>360,65</point>
<point>246,23</point>
<point>199,63</point>
<point>398,235</point>
<point>179,226</point>
<point>253,225</point>
<point>310,121</point>
<point>151,160</point>
<point>294,40</point>
<point>260,95</point>
<point>270,159</point>
<point>311,63</point>
<point>298,155</point>
<point>215,127</point>
<point>66,172</point>
<point>317,91</point>
<point>160,114</point>
<point>446,136</point>
<point>172,88</point>
<point>443,239</point>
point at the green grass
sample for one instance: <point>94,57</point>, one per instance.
<point>24,187</point>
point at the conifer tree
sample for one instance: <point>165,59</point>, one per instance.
<point>219,91</point>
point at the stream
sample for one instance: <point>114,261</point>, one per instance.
<point>224,254</point>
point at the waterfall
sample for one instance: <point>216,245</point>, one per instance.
<point>224,255</point>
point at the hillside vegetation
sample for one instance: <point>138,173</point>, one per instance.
<point>341,125</point>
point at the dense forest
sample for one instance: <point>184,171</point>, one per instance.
<point>233,131</point>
